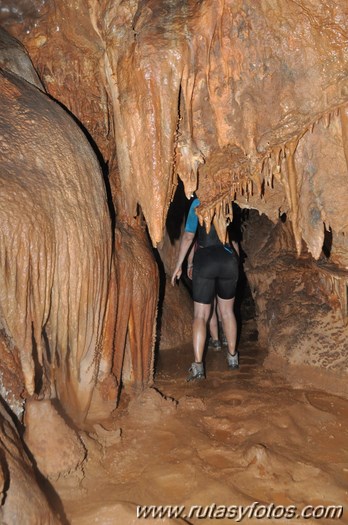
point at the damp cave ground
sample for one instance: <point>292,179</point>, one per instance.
<point>233,439</point>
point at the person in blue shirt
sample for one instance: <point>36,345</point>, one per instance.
<point>215,272</point>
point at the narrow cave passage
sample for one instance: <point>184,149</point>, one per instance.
<point>236,438</point>
<point>175,307</point>
<point>244,102</point>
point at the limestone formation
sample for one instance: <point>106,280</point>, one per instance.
<point>22,501</point>
<point>56,240</point>
<point>137,280</point>
<point>300,304</point>
<point>14,57</point>
<point>241,101</point>
<point>244,101</point>
<point>233,86</point>
<point>56,447</point>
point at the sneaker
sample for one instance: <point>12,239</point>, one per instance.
<point>214,344</point>
<point>233,360</point>
<point>196,372</point>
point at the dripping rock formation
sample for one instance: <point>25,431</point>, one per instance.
<point>55,246</point>
<point>243,101</point>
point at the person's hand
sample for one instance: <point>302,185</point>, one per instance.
<point>176,274</point>
<point>189,271</point>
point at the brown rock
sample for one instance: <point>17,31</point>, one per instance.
<point>22,501</point>
<point>14,57</point>
<point>150,407</point>
<point>176,319</point>
<point>121,512</point>
<point>56,447</point>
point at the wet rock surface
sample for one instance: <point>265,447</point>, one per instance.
<point>23,499</point>
<point>300,307</point>
<point>250,99</point>
<point>56,447</point>
<point>235,438</point>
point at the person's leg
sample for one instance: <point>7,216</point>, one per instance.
<point>203,288</point>
<point>226,290</point>
<point>229,323</point>
<point>213,323</point>
<point>220,329</point>
<point>218,312</point>
<point>200,319</point>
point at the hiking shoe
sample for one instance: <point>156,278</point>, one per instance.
<point>214,344</point>
<point>196,372</point>
<point>233,360</point>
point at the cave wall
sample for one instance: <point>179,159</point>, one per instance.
<point>137,278</point>
<point>227,89</point>
<point>301,306</point>
<point>57,291</point>
<point>59,303</point>
<point>243,101</point>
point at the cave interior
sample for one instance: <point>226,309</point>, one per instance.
<point>113,114</point>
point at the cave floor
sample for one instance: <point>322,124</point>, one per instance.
<point>236,438</point>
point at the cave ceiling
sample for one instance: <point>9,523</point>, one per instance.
<point>242,100</point>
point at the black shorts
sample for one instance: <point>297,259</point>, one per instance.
<point>215,272</point>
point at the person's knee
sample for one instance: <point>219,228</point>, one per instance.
<point>227,315</point>
<point>226,311</point>
<point>200,317</point>
<point>202,313</point>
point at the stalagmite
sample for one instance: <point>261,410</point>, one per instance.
<point>136,309</point>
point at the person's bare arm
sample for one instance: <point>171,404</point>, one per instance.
<point>185,244</point>
<point>190,261</point>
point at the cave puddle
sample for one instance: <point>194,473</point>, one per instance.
<point>233,439</point>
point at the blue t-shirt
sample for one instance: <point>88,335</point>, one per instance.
<point>192,219</point>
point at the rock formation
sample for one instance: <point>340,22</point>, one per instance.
<point>56,453</point>
<point>249,98</point>
<point>55,246</point>
<point>22,501</point>
<point>234,86</point>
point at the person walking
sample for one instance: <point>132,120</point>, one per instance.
<point>215,272</point>
<point>217,337</point>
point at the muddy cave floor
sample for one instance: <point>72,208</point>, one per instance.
<point>232,439</point>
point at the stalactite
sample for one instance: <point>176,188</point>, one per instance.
<point>336,281</point>
<point>292,177</point>
<point>277,163</point>
<point>344,124</point>
<point>137,277</point>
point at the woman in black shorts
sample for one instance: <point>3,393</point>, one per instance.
<point>215,272</point>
